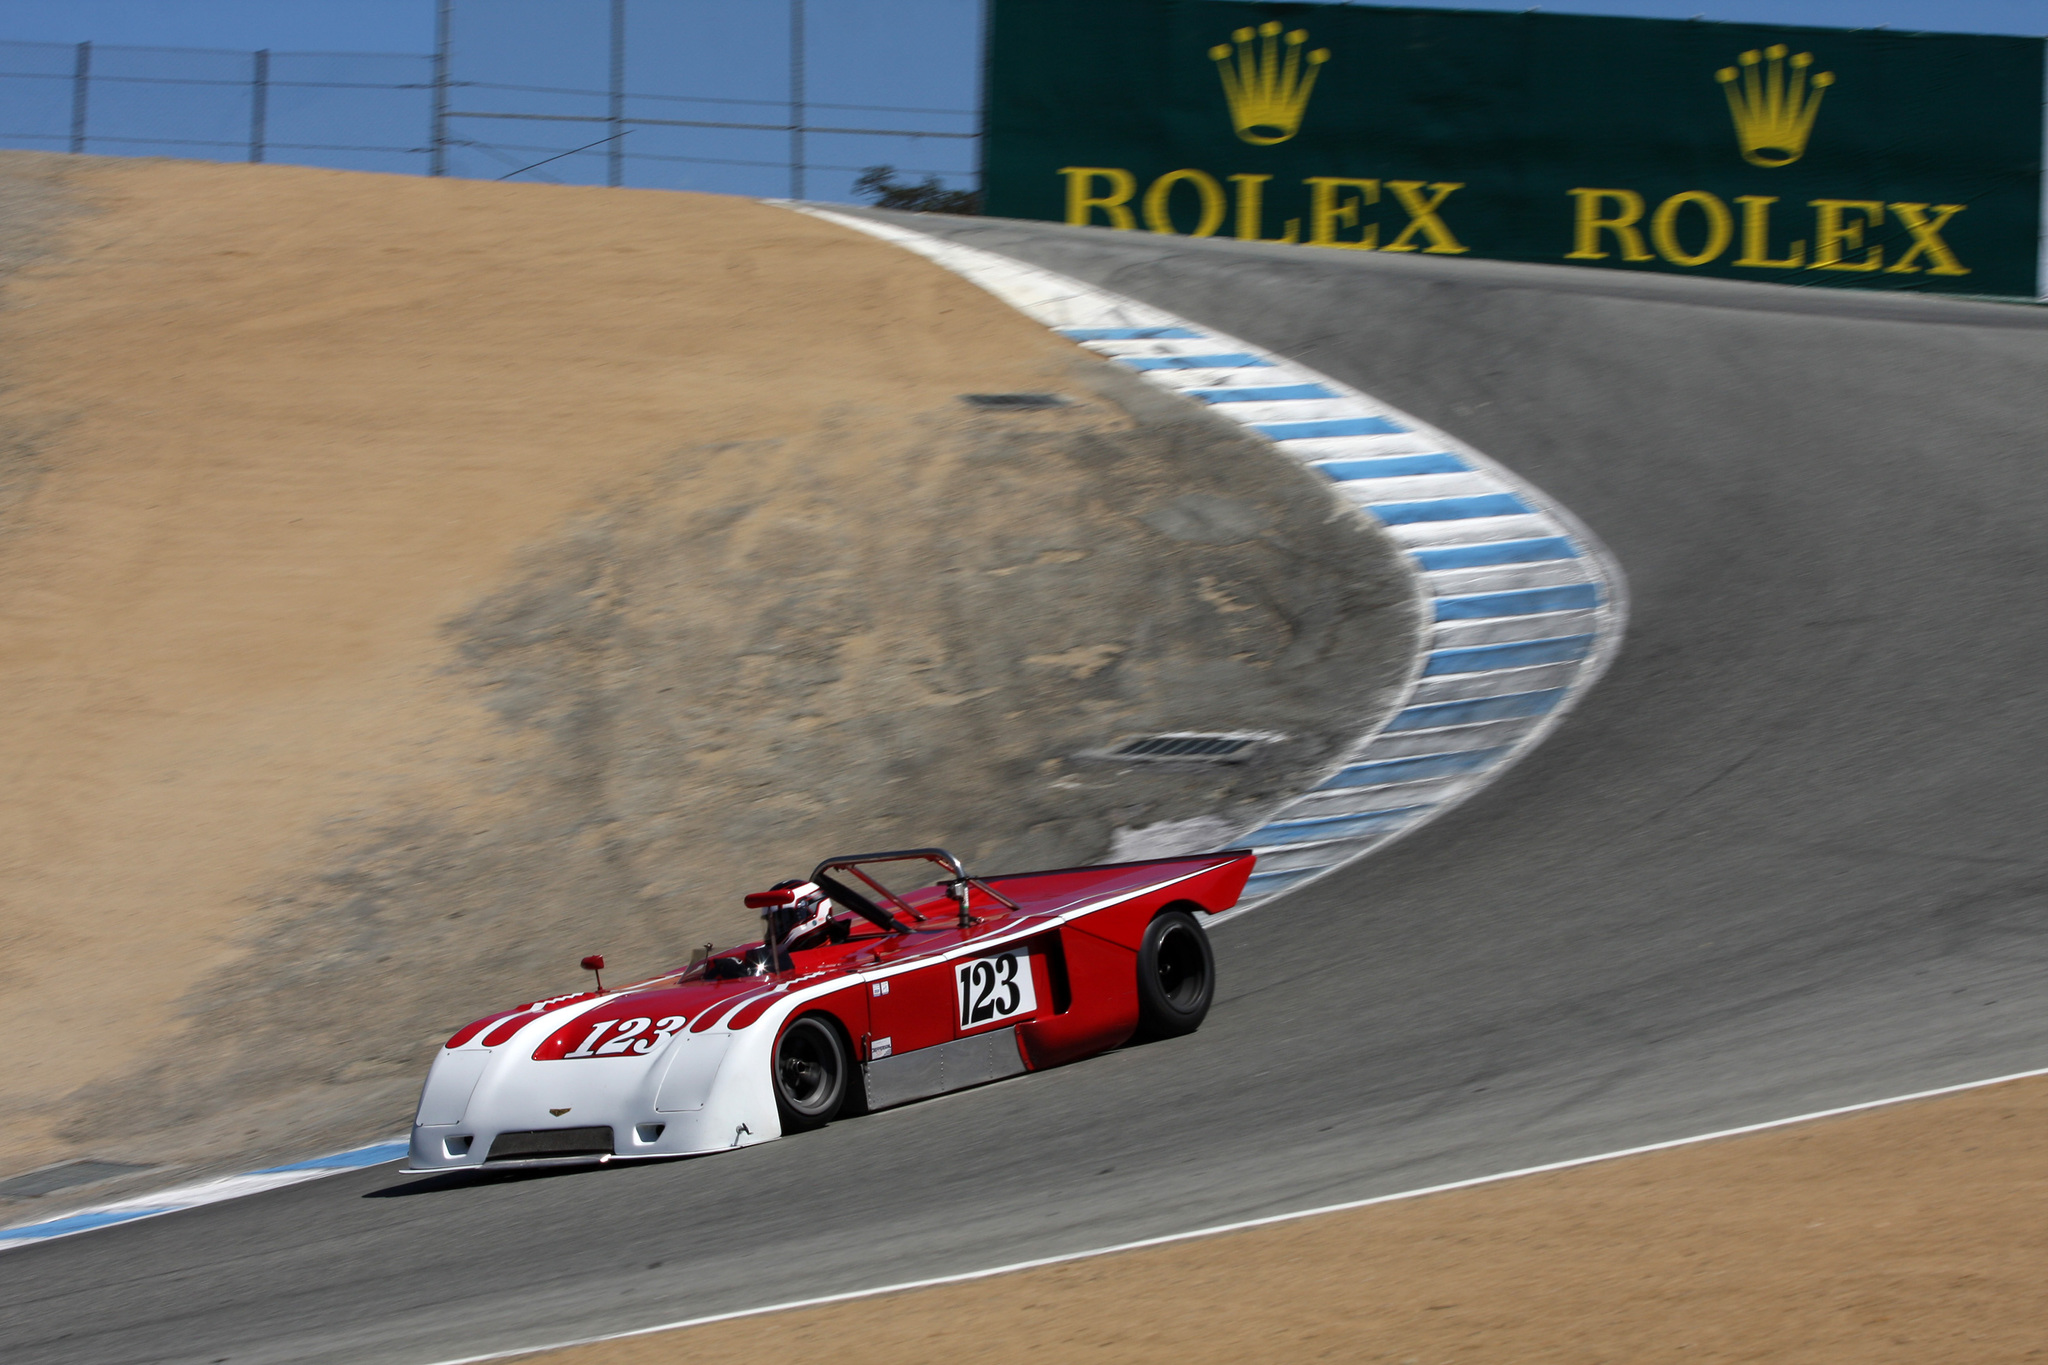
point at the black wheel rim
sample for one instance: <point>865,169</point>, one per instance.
<point>807,1068</point>
<point>1183,968</point>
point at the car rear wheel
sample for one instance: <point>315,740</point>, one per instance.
<point>1176,976</point>
<point>811,1074</point>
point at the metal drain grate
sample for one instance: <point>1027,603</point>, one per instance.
<point>1183,746</point>
<point>1013,400</point>
<point>1186,746</point>
<point>64,1176</point>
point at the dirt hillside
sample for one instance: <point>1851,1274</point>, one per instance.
<point>408,586</point>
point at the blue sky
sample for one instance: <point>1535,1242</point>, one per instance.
<point>698,59</point>
<point>408,25</point>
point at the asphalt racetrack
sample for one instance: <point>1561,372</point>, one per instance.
<point>1784,857</point>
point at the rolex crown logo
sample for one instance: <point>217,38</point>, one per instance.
<point>1267,87</point>
<point>1773,103</point>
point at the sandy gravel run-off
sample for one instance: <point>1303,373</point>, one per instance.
<point>1894,1237</point>
<point>409,586</point>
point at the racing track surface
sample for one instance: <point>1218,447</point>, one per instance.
<point>1784,857</point>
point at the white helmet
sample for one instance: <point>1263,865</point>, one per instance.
<point>794,910</point>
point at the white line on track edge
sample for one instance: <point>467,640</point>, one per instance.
<point>178,1198</point>
<point>1044,295</point>
<point>1267,1221</point>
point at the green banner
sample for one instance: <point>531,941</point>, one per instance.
<point>1806,155</point>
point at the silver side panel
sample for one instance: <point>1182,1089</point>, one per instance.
<point>949,1066</point>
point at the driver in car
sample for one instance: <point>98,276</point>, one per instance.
<point>804,923</point>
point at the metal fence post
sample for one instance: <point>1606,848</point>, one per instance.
<point>615,158</point>
<point>437,133</point>
<point>988,9</point>
<point>796,99</point>
<point>259,103</point>
<point>81,80</point>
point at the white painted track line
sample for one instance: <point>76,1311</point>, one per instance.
<point>1460,515</point>
<point>191,1196</point>
<point>970,1275</point>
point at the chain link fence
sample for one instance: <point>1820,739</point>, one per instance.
<point>785,97</point>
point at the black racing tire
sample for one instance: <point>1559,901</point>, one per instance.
<point>1176,976</point>
<point>811,1074</point>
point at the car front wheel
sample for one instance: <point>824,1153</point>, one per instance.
<point>811,1074</point>
<point>1176,976</point>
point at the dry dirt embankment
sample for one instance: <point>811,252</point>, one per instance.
<point>408,586</point>
<point>1895,1237</point>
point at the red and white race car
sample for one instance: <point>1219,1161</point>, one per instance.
<point>859,997</point>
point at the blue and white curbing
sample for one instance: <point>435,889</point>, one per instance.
<point>204,1192</point>
<point>1526,607</point>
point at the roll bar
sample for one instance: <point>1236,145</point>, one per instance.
<point>958,887</point>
